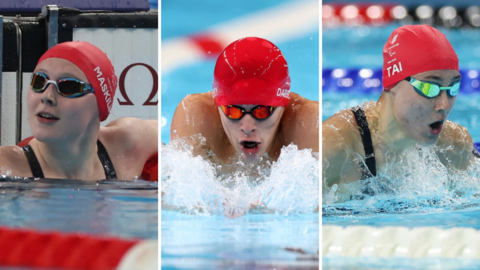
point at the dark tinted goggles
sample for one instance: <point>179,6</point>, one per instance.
<point>66,87</point>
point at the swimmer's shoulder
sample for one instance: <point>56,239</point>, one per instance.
<point>301,123</point>
<point>341,131</point>
<point>195,114</point>
<point>455,135</point>
<point>302,108</point>
<point>14,162</point>
<point>131,135</point>
<point>340,139</point>
<point>455,145</point>
<point>201,102</point>
<point>130,126</point>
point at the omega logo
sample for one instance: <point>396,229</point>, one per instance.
<point>123,92</point>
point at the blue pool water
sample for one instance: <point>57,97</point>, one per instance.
<point>104,208</point>
<point>258,241</point>
<point>427,195</point>
<point>196,233</point>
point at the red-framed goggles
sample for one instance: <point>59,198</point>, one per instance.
<point>66,87</point>
<point>431,89</point>
<point>260,112</point>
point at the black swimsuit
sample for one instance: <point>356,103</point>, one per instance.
<point>362,123</point>
<point>102,155</point>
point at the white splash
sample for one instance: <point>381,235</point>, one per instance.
<point>194,185</point>
<point>415,182</point>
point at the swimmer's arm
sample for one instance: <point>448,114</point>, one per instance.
<point>197,122</point>
<point>455,146</point>
<point>332,156</point>
<point>311,123</point>
<point>301,123</point>
<point>141,136</point>
<point>340,159</point>
<point>153,123</point>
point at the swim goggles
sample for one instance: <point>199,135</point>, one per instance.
<point>259,112</point>
<point>431,90</point>
<point>66,87</point>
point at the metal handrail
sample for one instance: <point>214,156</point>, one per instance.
<point>18,123</point>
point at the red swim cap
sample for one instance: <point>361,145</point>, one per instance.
<point>413,49</point>
<point>251,71</point>
<point>95,65</point>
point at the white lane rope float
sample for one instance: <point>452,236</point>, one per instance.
<point>400,242</point>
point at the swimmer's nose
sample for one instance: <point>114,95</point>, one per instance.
<point>443,102</point>
<point>49,95</point>
<point>247,124</point>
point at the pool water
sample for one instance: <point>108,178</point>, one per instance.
<point>398,264</point>
<point>421,193</point>
<point>103,208</point>
<point>259,241</point>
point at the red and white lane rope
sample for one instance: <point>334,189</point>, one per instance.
<point>54,250</point>
<point>452,16</point>
<point>400,242</point>
<point>280,23</point>
<point>358,14</point>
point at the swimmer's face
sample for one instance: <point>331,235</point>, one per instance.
<point>422,118</point>
<point>250,137</point>
<point>53,117</point>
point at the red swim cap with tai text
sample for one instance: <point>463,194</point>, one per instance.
<point>95,65</point>
<point>251,71</point>
<point>414,49</point>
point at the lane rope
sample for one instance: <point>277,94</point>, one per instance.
<point>74,251</point>
<point>402,242</point>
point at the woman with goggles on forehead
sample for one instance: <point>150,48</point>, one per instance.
<point>421,81</point>
<point>71,92</point>
<point>250,111</point>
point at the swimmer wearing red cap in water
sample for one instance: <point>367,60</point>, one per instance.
<point>421,81</point>
<point>72,90</point>
<point>250,110</point>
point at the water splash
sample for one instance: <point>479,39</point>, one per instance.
<point>195,185</point>
<point>415,182</point>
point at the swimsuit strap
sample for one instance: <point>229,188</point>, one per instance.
<point>475,153</point>
<point>106,162</point>
<point>367,140</point>
<point>33,162</point>
<point>102,155</point>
